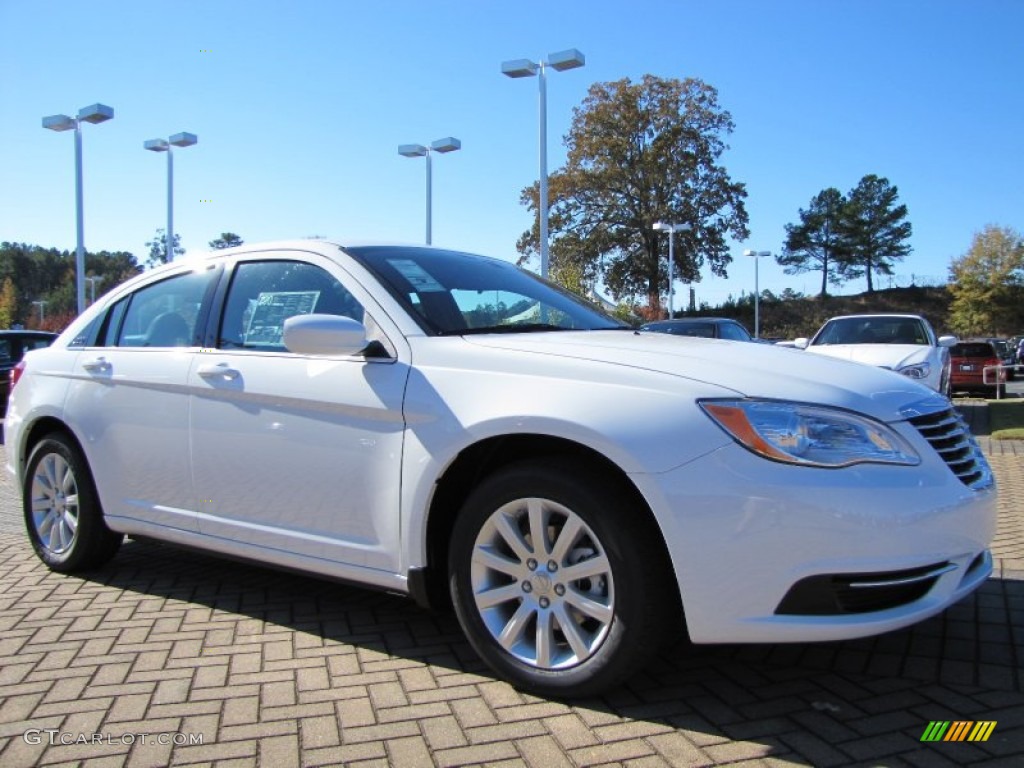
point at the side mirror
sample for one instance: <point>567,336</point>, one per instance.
<point>324,335</point>
<point>948,341</point>
<point>801,343</point>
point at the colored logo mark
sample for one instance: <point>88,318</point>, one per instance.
<point>958,730</point>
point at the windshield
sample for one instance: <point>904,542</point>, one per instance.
<point>452,293</point>
<point>872,330</point>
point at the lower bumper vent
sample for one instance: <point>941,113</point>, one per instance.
<point>846,593</point>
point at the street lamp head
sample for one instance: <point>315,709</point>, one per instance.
<point>156,145</point>
<point>563,60</point>
<point>183,139</point>
<point>97,113</point>
<point>757,254</point>
<point>447,144</point>
<point>519,68</point>
<point>412,150</point>
<point>672,228</point>
<point>58,123</point>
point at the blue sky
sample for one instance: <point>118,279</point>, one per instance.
<point>300,107</point>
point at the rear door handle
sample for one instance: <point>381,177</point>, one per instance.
<point>97,365</point>
<point>218,371</point>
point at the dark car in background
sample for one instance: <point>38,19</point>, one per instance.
<point>970,359</point>
<point>13,346</point>
<point>1007,354</point>
<point>703,327</point>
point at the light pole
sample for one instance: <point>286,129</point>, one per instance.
<point>671,229</point>
<point>92,287</point>
<point>561,61</point>
<point>97,113</point>
<point>42,310</point>
<point>447,144</point>
<point>160,145</point>
<point>757,255</point>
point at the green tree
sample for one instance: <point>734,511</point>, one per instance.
<point>816,243</point>
<point>875,229</point>
<point>987,284</point>
<point>109,269</point>
<point>158,249</point>
<point>48,274</point>
<point>638,154</point>
<point>226,240</point>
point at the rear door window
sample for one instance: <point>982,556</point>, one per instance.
<point>163,314</point>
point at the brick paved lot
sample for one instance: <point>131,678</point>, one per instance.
<point>278,670</point>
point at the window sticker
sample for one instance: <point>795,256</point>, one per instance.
<point>420,280</point>
<point>266,323</point>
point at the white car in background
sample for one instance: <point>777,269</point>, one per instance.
<point>453,428</point>
<point>902,343</point>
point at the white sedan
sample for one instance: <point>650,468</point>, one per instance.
<point>902,343</point>
<point>448,426</point>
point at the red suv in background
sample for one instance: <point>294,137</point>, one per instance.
<point>970,360</point>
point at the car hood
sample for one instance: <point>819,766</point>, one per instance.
<point>882,355</point>
<point>716,368</point>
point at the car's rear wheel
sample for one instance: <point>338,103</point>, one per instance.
<point>62,511</point>
<point>559,578</point>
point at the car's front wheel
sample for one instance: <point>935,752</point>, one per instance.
<point>559,578</point>
<point>62,511</point>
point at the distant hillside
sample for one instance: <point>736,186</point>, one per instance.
<point>791,318</point>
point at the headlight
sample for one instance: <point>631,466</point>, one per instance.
<point>917,371</point>
<point>809,435</point>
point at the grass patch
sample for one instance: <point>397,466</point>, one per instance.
<point>1006,419</point>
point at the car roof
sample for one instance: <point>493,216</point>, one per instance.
<point>10,332</point>
<point>323,246</point>
<point>878,314</point>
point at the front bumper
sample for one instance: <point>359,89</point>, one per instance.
<point>745,533</point>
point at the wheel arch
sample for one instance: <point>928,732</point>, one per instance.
<point>37,431</point>
<point>428,585</point>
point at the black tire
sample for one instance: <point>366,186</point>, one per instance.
<point>62,511</point>
<point>602,605</point>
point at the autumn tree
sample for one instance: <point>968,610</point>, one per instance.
<point>816,244</point>
<point>875,229</point>
<point>8,304</point>
<point>226,240</point>
<point>987,284</point>
<point>158,249</point>
<point>639,153</point>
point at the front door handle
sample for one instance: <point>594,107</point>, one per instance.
<point>97,365</point>
<point>218,371</point>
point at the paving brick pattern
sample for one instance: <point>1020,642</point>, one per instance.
<point>277,670</point>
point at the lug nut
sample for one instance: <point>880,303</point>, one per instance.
<point>544,602</point>
<point>552,566</point>
<point>527,586</point>
<point>559,589</point>
<point>531,564</point>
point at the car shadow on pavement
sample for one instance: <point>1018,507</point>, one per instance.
<point>814,704</point>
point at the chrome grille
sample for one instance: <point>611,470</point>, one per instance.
<point>952,440</point>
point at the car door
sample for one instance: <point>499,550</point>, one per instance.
<point>294,454</point>
<point>128,402</point>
